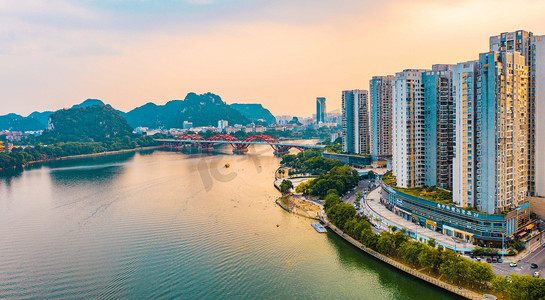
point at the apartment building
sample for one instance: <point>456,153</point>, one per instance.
<point>380,107</point>
<point>355,121</point>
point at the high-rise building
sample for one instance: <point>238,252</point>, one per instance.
<point>222,124</point>
<point>438,126</point>
<point>502,132</point>
<point>408,126</point>
<point>380,107</point>
<point>531,47</point>
<point>464,82</point>
<point>320,110</point>
<point>536,68</point>
<point>355,121</point>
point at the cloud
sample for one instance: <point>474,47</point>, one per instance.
<point>275,52</point>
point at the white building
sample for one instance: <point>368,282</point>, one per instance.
<point>464,82</point>
<point>222,124</point>
<point>355,121</point>
<point>408,128</point>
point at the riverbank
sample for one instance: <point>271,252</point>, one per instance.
<point>95,154</point>
<point>30,163</point>
<point>453,289</point>
<point>299,207</point>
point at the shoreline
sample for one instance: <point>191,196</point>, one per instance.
<point>385,259</point>
<point>30,163</point>
<point>438,283</point>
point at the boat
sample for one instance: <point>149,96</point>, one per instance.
<point>319,227</point>
<point>227,165</point>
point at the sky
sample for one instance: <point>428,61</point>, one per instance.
<point>282,54</point>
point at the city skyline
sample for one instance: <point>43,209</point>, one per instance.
<point>130,53</point>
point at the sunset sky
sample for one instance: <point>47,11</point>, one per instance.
<point>281,53</point>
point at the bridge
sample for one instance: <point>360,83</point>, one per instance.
<point>239,146</point>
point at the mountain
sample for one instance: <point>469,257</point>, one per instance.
<point>255,112</point>
<point>36,120</point>
<point>207,109</point>
<point>91,123</point>
<point>88,102</point>
<point>154,116</point>
<point>203,110</point>
<point>16,122</point>
<point>42,117</point>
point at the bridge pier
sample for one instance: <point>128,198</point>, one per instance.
<point>240,150</point>
<point>281,152</point>
<point>206,148</point>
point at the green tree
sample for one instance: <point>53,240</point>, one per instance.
<point>285,186</point>
<point>432,242</point>
<point>385,244</point>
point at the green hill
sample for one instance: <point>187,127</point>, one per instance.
<point>255,112</point>
<point>203,110</point>
<point>92,123</point>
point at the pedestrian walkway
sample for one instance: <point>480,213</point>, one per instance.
<point>376,211</point>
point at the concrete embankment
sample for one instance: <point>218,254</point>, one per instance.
<point>453,289</point>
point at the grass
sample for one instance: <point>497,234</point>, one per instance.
<point>429,193</point>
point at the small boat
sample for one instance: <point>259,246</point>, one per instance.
<point>319,227</point>
<point>227,165</point>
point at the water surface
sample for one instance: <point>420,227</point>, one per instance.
<point>172,225</point>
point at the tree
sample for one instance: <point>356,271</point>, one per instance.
<point>385,244</point>
<point>285,186</point>
<point>302,188</point>
<point>432,242</point>
<point>410,251</point>
<point>430,259</point>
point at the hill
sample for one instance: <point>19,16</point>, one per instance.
<point>36,120</point>
<point>255,112</point>
<point>203,110</point>
<point>42,117</point>
<point>16,122</point>
<point>91,123</point>
<point>207,109</point>
<point>154,116</point>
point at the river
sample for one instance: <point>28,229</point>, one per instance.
<point>171,225</point>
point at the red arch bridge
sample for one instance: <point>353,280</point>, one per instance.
<point>239,146</point>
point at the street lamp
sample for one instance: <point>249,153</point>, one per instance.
<point>502,240</point>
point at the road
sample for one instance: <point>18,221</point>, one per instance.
<point>523,265</point>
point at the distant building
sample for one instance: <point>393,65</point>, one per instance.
<point>222,124</point>
<point>355,121</point>
<point>320,110</point>
<point>380,117</point>
<point>284,119</point>
<point>187,125</point>
<point>231,129</point>
<point>141,130</point>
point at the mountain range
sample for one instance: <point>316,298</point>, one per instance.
<point>202,110</point>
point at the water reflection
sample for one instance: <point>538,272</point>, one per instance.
<point>388,276</point>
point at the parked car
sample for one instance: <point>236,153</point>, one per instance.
<point>513,264</point>
<point>494,260</point>
<point>537,274</point>
<point>500,260</point>
<point>478,259</point>
<point>533,266</point>
<point>488,260</point>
